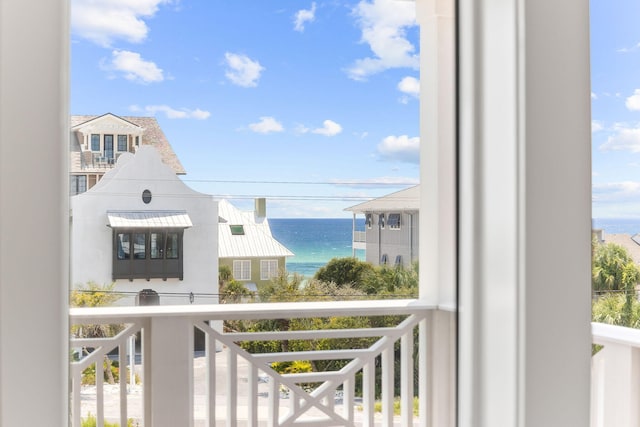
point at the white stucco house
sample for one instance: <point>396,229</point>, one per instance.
<point>141,227</point>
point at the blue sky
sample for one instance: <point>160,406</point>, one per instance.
<point>312,104</point>
<point>615,100</point>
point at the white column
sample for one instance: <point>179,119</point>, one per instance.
<point>171,371</point>
<point>34,144</point>
<point>525,207</point>
<point>438,200</point>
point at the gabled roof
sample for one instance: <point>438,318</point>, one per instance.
<point>152,135</point>
<point>256,242</point>
<point>407,200</point>
<point>627,241</point>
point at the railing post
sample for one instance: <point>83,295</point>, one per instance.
<point>171,358</point>
<point>616,386</point>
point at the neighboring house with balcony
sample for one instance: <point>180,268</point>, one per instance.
<point>97,142</point>
<point>390,235</point>
<point>247,246</point>
<point>141,227</point>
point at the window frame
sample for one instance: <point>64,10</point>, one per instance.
<point>394,225</point>
<point>126,143</point>
<point>75,185</point>
<point>244,269</point>
<point>92,141</point>
<point>236,229</point>
<point>555,75</point>
<point>268,273</point>
<point>134,267</point>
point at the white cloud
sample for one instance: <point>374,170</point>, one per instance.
<point>135,68</point>
<point>594,96</point>
<point>301,129</point>
<point>303,16</point>
<point>329,128</point>
<point>596,126</point>
<point>629,49</point>
<point>384,24</point>
<point>410,86</point>
<point>618,192</point>
<point>624,139</point>
<point>266,125</point>
<point>172,113</point>
<point>633,102</point>
<point>242,70</point>
<point>104,21</point>
<point>400,148</point>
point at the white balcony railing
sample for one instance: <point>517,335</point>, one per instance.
<point>615,376</point>
<point>175,392</point>
<point>359,236</point>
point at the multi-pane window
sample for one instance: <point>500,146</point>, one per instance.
<point>78,184</point>
<point>381,220</point>
<point>122,143</point>
<point>156,245</point>
<point>268,268</point>
<point>242,269</point>
<point>394,221</point>
<point>108,146</point>
<point>139,246</point>
<point>95,142</point>
<point>123,247</point>
<point>384,259</point>
<point>147,253</point>
<point>369,220</point>
<point>172,246</point>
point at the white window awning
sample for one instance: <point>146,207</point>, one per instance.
<point>149,219</point>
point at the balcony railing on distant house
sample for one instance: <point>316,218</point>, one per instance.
<point>247,390</point>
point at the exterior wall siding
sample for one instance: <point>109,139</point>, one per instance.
<point>255,268</point>
<point>393,242</point>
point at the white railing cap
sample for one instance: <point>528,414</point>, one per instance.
<point>254,311</point>
<point>611,334</point>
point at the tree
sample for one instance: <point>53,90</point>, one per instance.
<point>232,292</point>
<point>613,269</point>
<point>94,295</point>
<point>345,271</point>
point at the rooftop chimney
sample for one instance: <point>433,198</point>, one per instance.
<point>261,207</point>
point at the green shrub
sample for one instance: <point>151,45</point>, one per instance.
<point>89,374</point>
<point>377,407</point>
<point>91,421</point>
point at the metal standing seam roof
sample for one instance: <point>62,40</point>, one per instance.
<point>403,200</point>
<point>257,240</point>
<point>149,219</point>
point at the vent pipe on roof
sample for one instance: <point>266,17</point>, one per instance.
<point>261,207</point>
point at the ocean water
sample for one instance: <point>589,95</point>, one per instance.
<point>617,225</point>
<point>315,241</point>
